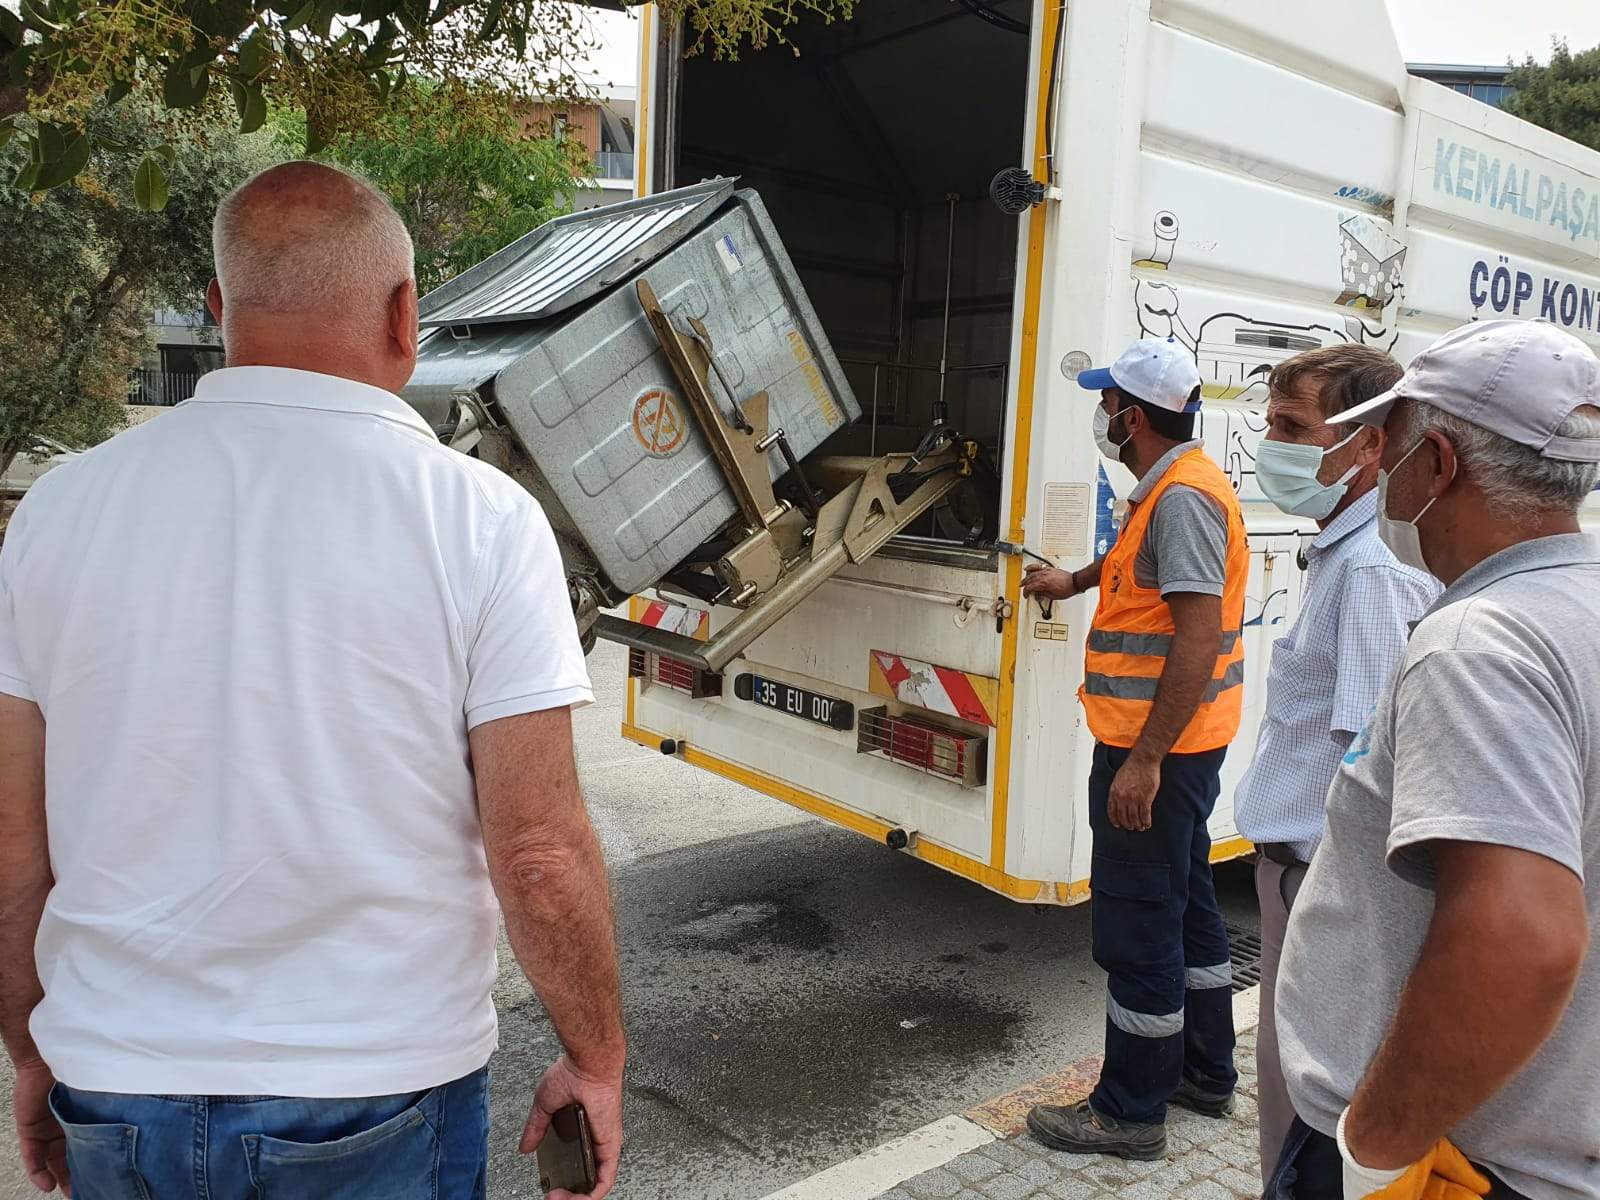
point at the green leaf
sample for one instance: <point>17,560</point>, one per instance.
<point>36,18</point>
<point>10,27</point>
<point>199,56</point>
<point>225,19</point>
<point>253,115</point>
<point>185,87</point>
<point>491,19</point>
<point>322,20</point>
<point>25,177</point>
<point>54,174</point>
<point>118,90</point>
<point>166,151</point>
<point>8,130</point>
<point>255,55</point>
<point>150,185</point>
<point>49,142</point>
<point>413,14</point>
<point>301,16</point>
<point>21,64</point>
<point>316,137</point>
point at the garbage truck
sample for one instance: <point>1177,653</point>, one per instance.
<point>801,410</point>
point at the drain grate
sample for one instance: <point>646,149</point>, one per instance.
<point>1245,948</point>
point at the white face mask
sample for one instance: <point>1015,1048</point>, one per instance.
<point>1102,435</point>
<point>1287,475</point>
<point>1402,537</point>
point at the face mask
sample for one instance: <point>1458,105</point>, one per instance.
<point>1402,537</point>
<point>1102,435</point>
<point>1287,475</point>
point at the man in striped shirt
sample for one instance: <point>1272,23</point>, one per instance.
<point>1326,673</point>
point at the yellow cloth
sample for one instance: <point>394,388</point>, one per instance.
<point>1442,1174</point>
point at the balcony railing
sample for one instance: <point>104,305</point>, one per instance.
<point>613,164</point>
<point>154,386</point>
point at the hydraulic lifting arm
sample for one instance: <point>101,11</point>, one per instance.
<point>781,554</point>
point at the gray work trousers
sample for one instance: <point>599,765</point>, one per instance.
<point>1276,887</point>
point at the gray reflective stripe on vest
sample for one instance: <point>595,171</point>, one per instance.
<point>1145,1025</point>
<point>1199,979</point>
<point>1152,645</point>
<point>1143,687</point>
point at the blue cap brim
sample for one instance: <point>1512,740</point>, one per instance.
<point>1097,379</point>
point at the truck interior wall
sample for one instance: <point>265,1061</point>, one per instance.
<point>857,144</point>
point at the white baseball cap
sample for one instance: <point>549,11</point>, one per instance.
<point>1158,372</point>
<point>1520,379</point>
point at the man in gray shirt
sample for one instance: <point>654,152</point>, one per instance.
<point>1438,992</point>
<point>1356,610</point>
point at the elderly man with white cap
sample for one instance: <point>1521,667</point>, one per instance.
<point>1438,1003</point>
<point>1162,694</point>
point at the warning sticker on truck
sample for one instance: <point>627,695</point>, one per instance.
<point>732,262</point>
<point>658,422</point>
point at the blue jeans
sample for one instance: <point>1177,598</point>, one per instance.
<point>419,1146</point>
<point>1158,934</point>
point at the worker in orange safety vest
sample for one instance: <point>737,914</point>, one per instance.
<point>1162,692</point>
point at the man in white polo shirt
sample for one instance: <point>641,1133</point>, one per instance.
<point>285,692</point>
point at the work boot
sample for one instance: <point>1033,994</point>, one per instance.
<point>1082,1130</point>
<point>1196,1099</point>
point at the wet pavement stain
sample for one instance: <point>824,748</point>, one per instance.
<point>757,921</point>
<point>813,1065</point>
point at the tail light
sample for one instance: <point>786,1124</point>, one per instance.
<point>933,749</point>
<point>674,673</point>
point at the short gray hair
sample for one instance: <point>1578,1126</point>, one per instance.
<point>1515,480</point>
<point>311,239</point>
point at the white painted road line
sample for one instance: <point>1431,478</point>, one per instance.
<point>875,1172</point>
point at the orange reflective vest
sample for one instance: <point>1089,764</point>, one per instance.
<point>1133,628</point>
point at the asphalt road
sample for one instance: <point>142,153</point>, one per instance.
<point>795,994</point>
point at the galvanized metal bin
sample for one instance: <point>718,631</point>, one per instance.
<point>551,331</point>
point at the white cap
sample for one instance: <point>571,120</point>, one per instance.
<point>1520,379</point>
<point>1161,373</point>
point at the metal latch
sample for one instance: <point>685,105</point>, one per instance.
<point>471,421</point>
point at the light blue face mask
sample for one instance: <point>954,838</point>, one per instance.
<point>1287,475</point>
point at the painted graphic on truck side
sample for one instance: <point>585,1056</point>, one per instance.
<point>1235,351</point>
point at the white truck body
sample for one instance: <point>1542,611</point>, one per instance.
<point>1254,178</point>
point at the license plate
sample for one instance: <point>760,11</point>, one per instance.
<point>796,702</point>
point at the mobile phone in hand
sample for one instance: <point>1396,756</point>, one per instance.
<point>566,1156</point>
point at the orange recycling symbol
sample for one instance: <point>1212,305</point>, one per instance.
<point>658,422</point>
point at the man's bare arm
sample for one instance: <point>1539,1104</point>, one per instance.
<point>547,870</point>
<point>25,879</point>
<point>25,883</point>
<point>1503,953</point>
<point>1055,584</point>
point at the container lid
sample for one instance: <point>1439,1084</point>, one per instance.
<point>566,261</point>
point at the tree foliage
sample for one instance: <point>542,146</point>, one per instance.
<point>1563,97</point>
<point>466,179</point>
<point>340,61</point>
<point>83,267</point>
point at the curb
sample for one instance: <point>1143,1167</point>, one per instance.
<point>891,1164</point>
